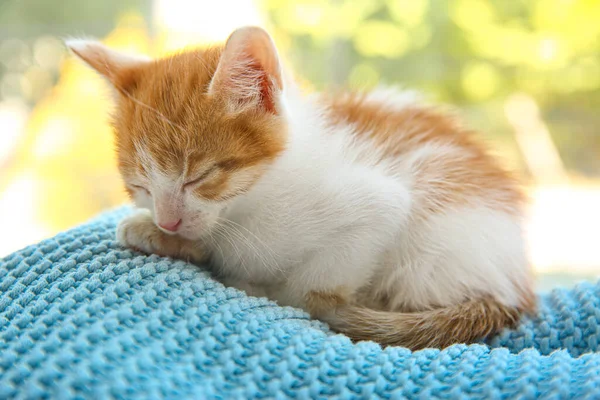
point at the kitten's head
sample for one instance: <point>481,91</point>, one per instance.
<point>197,129</point>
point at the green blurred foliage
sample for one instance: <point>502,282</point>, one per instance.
<point>32,18</point>
<point>471,53</point>
<point>31,33</point>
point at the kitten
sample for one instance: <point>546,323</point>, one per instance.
<point>375,213</point>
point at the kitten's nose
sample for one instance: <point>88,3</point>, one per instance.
<point>170,226</point>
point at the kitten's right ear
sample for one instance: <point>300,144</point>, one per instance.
<point>119,68</point>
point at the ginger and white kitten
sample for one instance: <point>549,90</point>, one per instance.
<point>374,212</point>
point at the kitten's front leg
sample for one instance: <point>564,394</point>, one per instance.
<point>139,232</point>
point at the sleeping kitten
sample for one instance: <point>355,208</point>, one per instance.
<point>373,212</point>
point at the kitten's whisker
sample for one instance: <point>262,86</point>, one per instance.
<point>235,248</point>
<point>258,253</point>
<point>271,253</point>
<point>216,243</point>
<point>247,230</point>
<point>235,237</point>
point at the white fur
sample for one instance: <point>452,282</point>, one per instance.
<point>454,256</point>
<point>325,216</point>
<point>328,214</point>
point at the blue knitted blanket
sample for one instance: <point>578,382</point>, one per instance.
<point>81,317</point>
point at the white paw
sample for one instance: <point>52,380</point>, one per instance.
<point>138,231</point>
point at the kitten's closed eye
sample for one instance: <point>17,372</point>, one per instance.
<point>202,177</point>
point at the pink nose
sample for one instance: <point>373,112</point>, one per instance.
<point>170,226</point>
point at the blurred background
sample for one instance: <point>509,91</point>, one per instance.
<point>525,73</point>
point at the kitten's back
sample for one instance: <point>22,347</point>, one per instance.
<point>448,166</point>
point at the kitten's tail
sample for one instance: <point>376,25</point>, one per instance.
<point>439,328</point>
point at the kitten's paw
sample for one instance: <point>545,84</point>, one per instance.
<point>139,232</point>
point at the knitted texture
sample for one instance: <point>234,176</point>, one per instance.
<point>81,317</point>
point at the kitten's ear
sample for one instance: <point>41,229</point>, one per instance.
<point>117,67</point>
<point>249,72</point>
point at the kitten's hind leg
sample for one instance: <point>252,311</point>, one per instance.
<point>329,279</point>
<point>139,232</point>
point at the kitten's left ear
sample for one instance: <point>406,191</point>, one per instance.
<point>249,72</point>
<point>117,67</point>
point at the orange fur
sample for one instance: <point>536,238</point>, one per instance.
<point>415,329</point>
<point>463,323</point>
<point>456,179</point>
<point>321,303</point>
<point>185,129</point>
<point>468,177</point>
